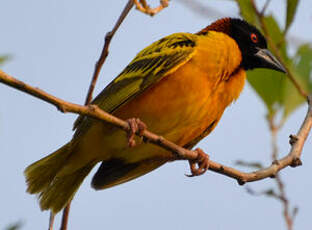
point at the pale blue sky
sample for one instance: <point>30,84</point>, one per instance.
<point>54,46</point>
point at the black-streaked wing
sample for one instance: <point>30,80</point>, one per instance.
<point>147,68</point>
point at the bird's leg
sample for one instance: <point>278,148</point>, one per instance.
<point>200,165</point>
<point>135,126</point>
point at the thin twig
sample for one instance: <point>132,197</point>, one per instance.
<point>265,7</point>
<point>281,195</point>
<point>280,184</point>
<point>108,38</point>
<point>288,218</point>
<point>142,6</point>
<point>98,67</point>
<point>65,217</point>
<point>292,159</point>
<point>276,52</point>
<point>51,221</point>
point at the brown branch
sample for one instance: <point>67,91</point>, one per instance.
<point>276,51</point>
<point>288,218</point>
<point>274,129</point>
<point>98,67</point>
<point>292,159</point>
<point>51,221</point>
<point>280,184</point>
<point>108,38</point>
<point>142,6</point>
<point>266,4</point>
<point>65,217</point>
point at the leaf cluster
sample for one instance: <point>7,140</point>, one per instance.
<point>277,91</point>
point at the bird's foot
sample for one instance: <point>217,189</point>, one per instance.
<point>135,126</point>
<point>200,165</point>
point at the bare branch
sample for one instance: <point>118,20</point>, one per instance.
<point>288,218</point>
<point>65,217</point>
<point>265,7</point>
<point>51,221</point>
<point>179,153</point>
<point>142,6</point>
<point>98,66</point>
<point>108,38</point>
<point>280,184</point>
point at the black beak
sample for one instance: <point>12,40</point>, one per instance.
<point>267,60</point>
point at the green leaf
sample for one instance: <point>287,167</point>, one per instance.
<point>301,70</point>
<point>304,63</point>
<point>275,89</point>
<point>247,11</point>
<point>268,85</point>
<point>291,98</point>
<point>276,35</point>
<point>291,12</point>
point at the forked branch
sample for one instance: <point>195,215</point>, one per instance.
<point>142,6</point>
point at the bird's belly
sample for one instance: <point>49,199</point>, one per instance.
<point>179,108</point>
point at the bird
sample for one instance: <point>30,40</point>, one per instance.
<point>178,87</point>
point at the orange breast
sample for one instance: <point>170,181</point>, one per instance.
<point>179,107</point>
<point>184,103</point>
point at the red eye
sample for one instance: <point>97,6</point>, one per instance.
<point>254,38</point>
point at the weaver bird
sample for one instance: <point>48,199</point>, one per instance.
<point>178,86</point>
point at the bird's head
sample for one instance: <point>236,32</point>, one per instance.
<point>250,41</point>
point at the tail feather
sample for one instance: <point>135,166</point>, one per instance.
<point>62,189</point>
<point>41,173</point>
<point>117,171</point>
<point>55,190</point>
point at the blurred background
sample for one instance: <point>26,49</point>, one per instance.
<point>54,45</point>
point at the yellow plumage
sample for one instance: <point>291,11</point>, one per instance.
<point>179,86</point>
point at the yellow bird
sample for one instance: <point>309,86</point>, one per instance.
<point>179,86</point>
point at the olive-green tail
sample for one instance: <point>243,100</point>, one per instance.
<point>62,189</point>
<point>54,190</point>
<point>41,173</point>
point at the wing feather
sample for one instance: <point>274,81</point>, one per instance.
<point>147,68</point>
